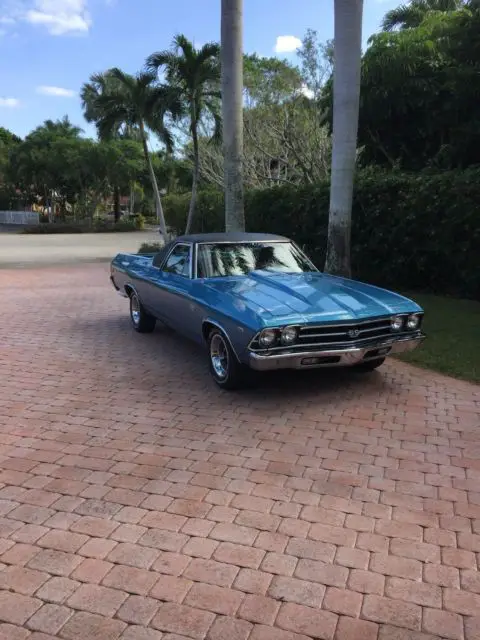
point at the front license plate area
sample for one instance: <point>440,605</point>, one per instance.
<point>378,352</point>
<point>308,362</point>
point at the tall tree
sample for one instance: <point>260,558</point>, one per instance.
<point>408,16</point>
<point>232,111</point>
<point>116,101</point>
<point>194,74</point>
<point>346,98</point>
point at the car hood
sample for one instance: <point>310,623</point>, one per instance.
<point>279,298</point>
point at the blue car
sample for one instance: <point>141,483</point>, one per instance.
<point>256,301</point>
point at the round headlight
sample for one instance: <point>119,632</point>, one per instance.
<point>396,323</point>
<point>413,321</point>
<point>267,338</point>
<point>289,335</point>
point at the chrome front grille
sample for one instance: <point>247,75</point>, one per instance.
<point>339,335</point>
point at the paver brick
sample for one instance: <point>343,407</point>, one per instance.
<point>138,610</point>
<point>295,509</point>
<point>183,620</point>
<point>129,579</point>
<point>89,626</point>
<point>443,623</point>
<point>304,620</point>
<point>16,608</point>
<point>49,619</point>
<point>211,572</point>
<point>212,598</point>
<point>259,609</point>
<point>229,628</point>
<point>395,612</point>
<point>419,592</point>
<point>293,590</point>
<point>354,629</point>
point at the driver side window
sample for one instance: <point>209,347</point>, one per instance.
<point>178,262</point>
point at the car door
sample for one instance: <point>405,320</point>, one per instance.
<point>175,292</point>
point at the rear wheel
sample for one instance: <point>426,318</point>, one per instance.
<point>227,372</point>
<point>142,321</point>
<point>370,365</point>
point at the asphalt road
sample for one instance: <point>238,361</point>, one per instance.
<point>17,250</point>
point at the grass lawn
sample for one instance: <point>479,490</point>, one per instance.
<point>452,345</point>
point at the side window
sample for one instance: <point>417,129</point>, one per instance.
<point>178,261</point>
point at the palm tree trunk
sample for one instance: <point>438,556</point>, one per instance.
<point>196,171</point>
<point>158,201</point>
<point>232,112</point>
<point>346,98</point>
<point>116,204</point>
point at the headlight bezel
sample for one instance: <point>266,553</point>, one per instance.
<point>414,316</point>
<point>268,331</point>
<point>293,331</point>
<point>397,323</point>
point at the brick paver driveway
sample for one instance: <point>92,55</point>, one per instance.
<point>140,502</point>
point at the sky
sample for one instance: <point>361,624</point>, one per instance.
<point>49,48</point>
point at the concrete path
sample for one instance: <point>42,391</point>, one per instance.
<point>23,250</point>
<point>140,502</point>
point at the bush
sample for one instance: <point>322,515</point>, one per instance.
<point>99,226</point>
<point>409,232</point>
<point>150,247</point>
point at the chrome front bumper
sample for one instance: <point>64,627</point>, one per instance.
<point>346,357</point>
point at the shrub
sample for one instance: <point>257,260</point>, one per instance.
<point>410,231</point>
<point>99,226</point>
<point>150,247</point>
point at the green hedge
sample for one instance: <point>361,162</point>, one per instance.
<point>418,232</point>
<point>135,223</point>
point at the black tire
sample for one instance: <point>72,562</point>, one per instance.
<point>370,365</point>
<point>142,321</point>
<point>234,374</point>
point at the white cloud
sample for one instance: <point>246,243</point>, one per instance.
<point>60,16</point>
<point>287,44</point>
<point>59,92</point>
<point>9,102</point>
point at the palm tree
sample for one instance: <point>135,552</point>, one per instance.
<point>346,98</point>
<point>194,74</point>
<point>411,15</point>
<point>231,56</point>
<point>118,103</point>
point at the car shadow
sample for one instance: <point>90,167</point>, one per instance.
<point>164,354</point>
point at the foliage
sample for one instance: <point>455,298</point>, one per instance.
<point>419,94</point>
<point>55,163</point>
<point>150,247</point>
<point>194,76</point>
<point>98,226</point>
<point>316,63</point>
<point>269,81</point>
<point>453,330</point>
<point>410,231</point>
<point>411,15</point>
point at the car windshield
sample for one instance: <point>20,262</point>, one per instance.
<point>237,259</point>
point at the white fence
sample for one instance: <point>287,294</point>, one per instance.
<point>19,217</point>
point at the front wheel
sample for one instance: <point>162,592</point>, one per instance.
<point>370,365</point>
<point>227,372</point>
<point>142,321</point>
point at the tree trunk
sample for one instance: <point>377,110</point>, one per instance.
<point>132,198</point>
<point>196,171</point>
<point>346,98</point>
<point>116,204</point>
<point>158,201</point>
<point>232,112</point>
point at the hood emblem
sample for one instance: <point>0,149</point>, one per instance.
<point>353,333</point>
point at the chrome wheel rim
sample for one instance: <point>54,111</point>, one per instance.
<point>219,356</point>
<point>135,309</point>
